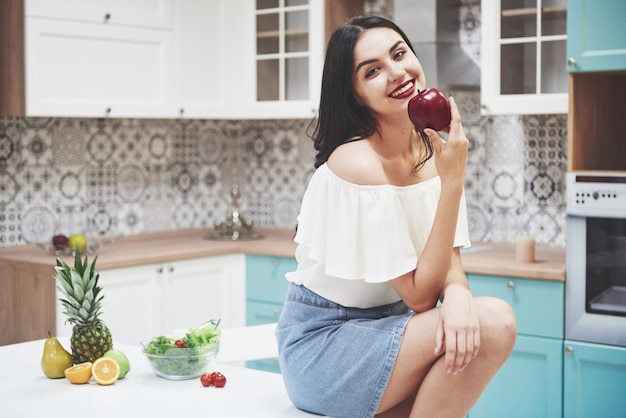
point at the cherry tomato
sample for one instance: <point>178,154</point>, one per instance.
<point>180,343</point>
<point>219,380</point>
<point>206,379</point>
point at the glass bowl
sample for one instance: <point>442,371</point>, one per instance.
<point>181,363</point>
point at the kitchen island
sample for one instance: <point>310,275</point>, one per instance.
<point>26,392</point>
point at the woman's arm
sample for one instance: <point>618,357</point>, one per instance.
<point>422,288</point>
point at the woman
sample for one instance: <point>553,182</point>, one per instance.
<point>379,237</point>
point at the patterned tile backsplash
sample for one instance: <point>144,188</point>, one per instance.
<point>111,177</point>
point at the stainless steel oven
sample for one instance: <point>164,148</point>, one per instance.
<point>595,287</point>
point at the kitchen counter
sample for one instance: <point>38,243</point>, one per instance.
<point>27,290</point>
<point>159,247</point>
<point>27,393</point>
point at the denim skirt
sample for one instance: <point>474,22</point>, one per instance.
<point>336,361</point>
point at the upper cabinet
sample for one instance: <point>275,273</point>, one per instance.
<point>148,13</point>
<point>287,58</point>
<point>596,48</point>
<point>523,69</point>
<point>105,58</point>
<point>163,58</point>
<point>596,39</point>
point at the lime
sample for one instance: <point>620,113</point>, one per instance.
<point>77,241</point>
<point>121,359</point>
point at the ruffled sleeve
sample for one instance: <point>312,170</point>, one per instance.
<point>372,233</point>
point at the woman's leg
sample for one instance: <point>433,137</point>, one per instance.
<point>420,377</point>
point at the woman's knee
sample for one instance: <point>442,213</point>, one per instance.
<point>497,323</point>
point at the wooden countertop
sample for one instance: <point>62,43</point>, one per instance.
<point>159,247</point>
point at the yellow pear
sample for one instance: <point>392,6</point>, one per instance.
<point>55,359</point>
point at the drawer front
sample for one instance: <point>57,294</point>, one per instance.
<point>259,313</point>
<point>538,304</point>
<point>265,277</point>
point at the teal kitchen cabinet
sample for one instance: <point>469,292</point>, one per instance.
<point>529,384</point>
<point>596,35</point>
<point>594,378</point>
<point>266,288</point>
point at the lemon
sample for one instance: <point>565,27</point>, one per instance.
<point>105,371</point>
<point>79,374</point>
<point>121,359</point>
<point>77,241</point>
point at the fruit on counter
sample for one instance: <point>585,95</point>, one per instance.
<point>79,374</point>
<point>105,371</point>
<point>60,242</point>
<point>219,380</point>
<point>77,242</point>
<point>55,359</point>
<point>206,379</point>
<point>121,359</point>
<point>82,301</point>
<point>216,379</point>
<point>429,109</point>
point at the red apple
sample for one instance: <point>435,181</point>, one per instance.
<point>60,241</point>
<point>429,109</point>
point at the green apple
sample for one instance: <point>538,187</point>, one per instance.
<point>121,359</point>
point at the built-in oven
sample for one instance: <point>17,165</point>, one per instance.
<point>595,287</point>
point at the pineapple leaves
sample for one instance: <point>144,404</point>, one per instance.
<point>77,261</point>
<point>78,285</point>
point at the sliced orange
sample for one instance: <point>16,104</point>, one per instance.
<point>79,374</point>
<point>105,371</point>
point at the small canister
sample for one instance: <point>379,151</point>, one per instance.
<point>525,249</point>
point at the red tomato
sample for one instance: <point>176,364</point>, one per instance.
<point>219,380</point>
<point>206,379</point>
<point>180,343</point>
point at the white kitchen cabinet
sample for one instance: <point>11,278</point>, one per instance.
<point>200,61</point>
<point>233,59</point>
<point>76,68</point>
<point>523,57</point>
<point>148,13</point>
<point>147,300</point>
<point>277,69</point>
<point>99,58</point>
<point>155,58</point>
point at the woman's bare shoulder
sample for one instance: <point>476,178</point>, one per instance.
<point>356,162</point>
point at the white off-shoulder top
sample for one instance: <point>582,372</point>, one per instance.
<point>352,239</point>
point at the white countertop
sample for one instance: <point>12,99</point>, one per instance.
<point>26,392</point>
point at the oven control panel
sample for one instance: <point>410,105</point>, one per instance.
<point>596,194</point>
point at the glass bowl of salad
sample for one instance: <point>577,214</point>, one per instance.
<point>183,357</point>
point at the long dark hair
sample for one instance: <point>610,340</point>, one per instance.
<point>340,117</point>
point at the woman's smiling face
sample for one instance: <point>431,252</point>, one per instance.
<point>386,73</point>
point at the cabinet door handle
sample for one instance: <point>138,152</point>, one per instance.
<point>569,350</point>
<point>107,17</point>
<point>160,270</point>
<point>571,62</point>
<point>510,285</point>
<point>171,269</point>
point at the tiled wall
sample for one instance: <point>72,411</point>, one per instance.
<point>126,176</point>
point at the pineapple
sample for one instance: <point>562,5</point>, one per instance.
<point>91,338</point>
